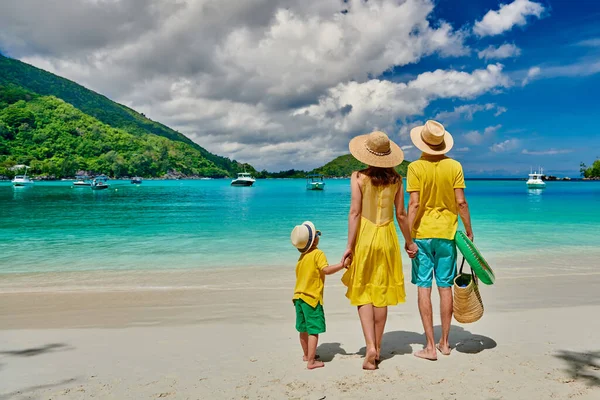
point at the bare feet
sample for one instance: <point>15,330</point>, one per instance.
<point>305,358</point>
<point>427,354</point>
<point>444,349</point>
<point>370,359</point>
<point>315,364</point>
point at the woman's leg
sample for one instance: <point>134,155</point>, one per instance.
<point>367,321</point>
<point>380,317</point>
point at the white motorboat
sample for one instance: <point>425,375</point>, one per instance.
<point>22,180</point>
<point>315,182</point>
<point>99,182</point>
<point>82,181</point>
<point>243,179</point>
<point>535,180</point>
<point>136,180</point>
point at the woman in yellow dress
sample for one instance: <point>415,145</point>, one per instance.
<point>375,279</point>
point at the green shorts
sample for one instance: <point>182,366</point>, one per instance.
<point>435,257</point>
<point>309,319</point>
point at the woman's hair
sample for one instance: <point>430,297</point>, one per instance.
<point>382,176</point>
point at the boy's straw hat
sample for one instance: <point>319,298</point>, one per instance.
<point>376,150</point>
<point>432,138</point>
<point>303,236</point>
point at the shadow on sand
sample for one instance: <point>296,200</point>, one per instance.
<point>400,342</point>
<point>24,392</point>
<point>36,351</point>
<point>327,351</point>
<point>582,366</point>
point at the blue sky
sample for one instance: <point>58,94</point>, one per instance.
<point>553,117</point>
<point>284,84</point>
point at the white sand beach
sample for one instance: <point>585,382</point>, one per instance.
<point>230,335</point>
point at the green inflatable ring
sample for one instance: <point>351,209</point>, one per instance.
<point>476,261</point>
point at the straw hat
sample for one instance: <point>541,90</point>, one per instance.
<point>432,138</point>
<point>376,150</point>
<point>303,236</point>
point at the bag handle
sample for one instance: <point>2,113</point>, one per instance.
<point>473,274</point>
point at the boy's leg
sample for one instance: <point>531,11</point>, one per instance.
<point>367,321</point>
<point>422,275</point>
<point>313,340</point>
<point>301,327</point>
<point>445,272</point>
<point>380,316</point>
<point>304,344</point>
<point>315,324</point>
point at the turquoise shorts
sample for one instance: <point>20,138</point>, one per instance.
<point>435,256</point>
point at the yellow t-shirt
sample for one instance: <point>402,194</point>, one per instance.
<point>310,279</point>
<point>435,178</point>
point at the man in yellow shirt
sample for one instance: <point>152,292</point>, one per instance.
<point>436,185</point>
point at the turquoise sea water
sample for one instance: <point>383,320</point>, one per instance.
<point>209,224</point>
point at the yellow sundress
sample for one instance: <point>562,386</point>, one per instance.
<point>375,275</point>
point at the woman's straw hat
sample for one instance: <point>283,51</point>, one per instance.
<point>376,150</point>
<point>432,138</point>
<point>303,236</point>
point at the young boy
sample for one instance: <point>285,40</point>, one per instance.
<point>308,294</point>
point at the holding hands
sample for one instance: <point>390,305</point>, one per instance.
<point>411,249</point>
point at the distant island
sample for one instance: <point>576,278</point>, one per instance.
<point>60,129</point>
<point>592,172</point>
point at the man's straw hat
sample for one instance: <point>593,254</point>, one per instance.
<point>303,236</point>
<point>432,138</point>
<point>376,150</point>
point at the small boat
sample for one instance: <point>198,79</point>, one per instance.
<point>136,180</point>
<point>99,182</point>
<point>82,181</point>
<point>315,182</point>
<point>243,179</point>
<point>535,180</point>
<point>22,180</point>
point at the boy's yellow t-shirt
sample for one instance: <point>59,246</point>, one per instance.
<point>435,178</point>
<point>310,279</point>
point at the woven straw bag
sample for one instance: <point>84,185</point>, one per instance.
<point>468,306</point>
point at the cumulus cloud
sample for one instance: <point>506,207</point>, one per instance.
<point>508,16</point>
<point>507,145</point>
<point>380,103</point>
<point>477,138</point>
<point>506,50</point>
<point>277,83</point>
<point>466,112</point>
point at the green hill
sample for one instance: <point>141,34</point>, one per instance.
<point>46,119</point>
<point>346,164</point>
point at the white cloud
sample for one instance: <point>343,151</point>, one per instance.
<point>550,152</point>
<point>477,138</point>
<point>379,104</point>
<point>509,15</point>
<point>462,149</point>
<point>507,145</point>
<point>466,111</point>
<point>407,147</point>
<point>232,74</point>
<point>506,50</point>
<point>531,74</point>
<point>593,42</point>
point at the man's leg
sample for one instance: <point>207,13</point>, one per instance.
<point>446,314</point>
<point>445,272</point>
<point>426,312</point>
<point>380,315</point>
<point>422,275</point>
<point>367,322</point>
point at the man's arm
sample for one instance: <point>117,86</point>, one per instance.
<point>463,210</point>
<point>401,216</point>
<point>413,207</point>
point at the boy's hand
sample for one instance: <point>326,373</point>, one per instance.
<point>411,249</point>
<point>347,261</point>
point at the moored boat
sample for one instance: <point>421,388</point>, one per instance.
<point>243,179</point>
<point>535,180</point>
<point>22,180</point>
<point>315,182</point>
<point>136,180</point>
<point>99,183</point>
